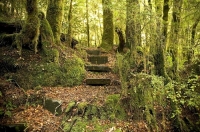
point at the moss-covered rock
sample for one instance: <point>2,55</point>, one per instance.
<point>70,73</point>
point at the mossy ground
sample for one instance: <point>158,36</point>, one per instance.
<point>35,70</point>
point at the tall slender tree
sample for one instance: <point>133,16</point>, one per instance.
<point>132,7</point>
<point>108,28</point>
<point>88,27</point>
<point>175,31</point>
<point>69,38</point>
<point>161,35</point>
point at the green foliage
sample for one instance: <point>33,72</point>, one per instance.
<point>183,94</point>
<point>122,67</point>
<point>146,91</point>
<point>114,107</point>
<point>190,95</point>
<point>8,108</point>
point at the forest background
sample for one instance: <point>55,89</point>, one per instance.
<point>159,42</point>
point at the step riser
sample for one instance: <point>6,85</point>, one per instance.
<point>98,68</point>
<point>98,82</point>
<point>98,59</point>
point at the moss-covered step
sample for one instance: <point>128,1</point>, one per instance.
<point>98,59</point>
<point>97,68</point>
<point>98,81</point>
<point>93,52</point>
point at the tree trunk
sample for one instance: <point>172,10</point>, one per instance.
<point>108,30</point>
<point>54,16</point>
<point>69,39</point>
<point>131,24</point>
<point>190,51</point>
<point>176,14</point>
<point>161,33</point>
<point>88,27</point>
<point>29,34</point>
<point>121,40</point>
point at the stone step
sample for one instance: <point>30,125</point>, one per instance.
<point>54,106</point>
<point>97,68</point>
<point>98,59</point>
<point>98,81</point>
<point>93,52</point>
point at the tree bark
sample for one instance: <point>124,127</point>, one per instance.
<point>54,17</point>
<point>161,34</point>
<point>29,34</point>
<point>131,37</point>
<point>176,14</point>
<point>69,40</point>
<point>108,30</point>
<point>88,27</point>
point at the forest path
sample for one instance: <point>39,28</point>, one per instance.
<point>97,66</point>
<point>99,83</point>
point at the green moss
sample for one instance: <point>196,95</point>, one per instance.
<point>70,73</point>
<point>108,30</point>
<point>70,106</point>
<point>82,106</point>
<point>74,71</point>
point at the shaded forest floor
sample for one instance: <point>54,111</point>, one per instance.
<point>24,106</point>
<point>37,118</point>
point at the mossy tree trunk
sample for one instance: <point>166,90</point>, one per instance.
<point>174,45</point>
<point>69,39</point>
<point>47,40</point>
<point>190,52</point>
<point>29,34</point>
<point>133,32</point>
<point>54,16</point>
<point>161,34</point>
<point>108,30</point>
<point>176,14</point>
<point>130,25</point>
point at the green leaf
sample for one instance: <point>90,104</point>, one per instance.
<point>8,113</point>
